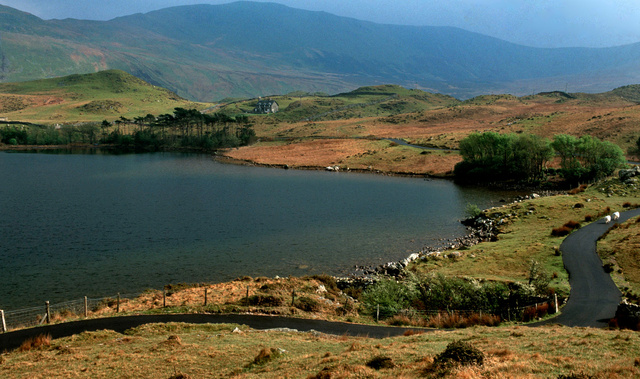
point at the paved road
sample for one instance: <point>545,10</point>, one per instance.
<point>593,301</point>
<point>594,297</point>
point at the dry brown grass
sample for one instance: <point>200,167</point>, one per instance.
<point>213,351</point>
<point>37,342</point>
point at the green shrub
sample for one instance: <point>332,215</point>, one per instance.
<point>459,352</point>
<point>391,297</point>
<point>381,362</point>
<point>307,304</point>
<point>263,301</point>
<point>472,211</point>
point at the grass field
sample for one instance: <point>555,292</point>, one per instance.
<point>91,97</point>
<point>215,351</point>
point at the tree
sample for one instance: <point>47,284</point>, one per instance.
<point>104,126</point>
<point>492,156</point>
<point>587,158</point>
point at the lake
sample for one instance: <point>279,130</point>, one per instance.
<point>94,224</point>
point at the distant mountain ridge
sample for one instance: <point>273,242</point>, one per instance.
<point>247,49</point>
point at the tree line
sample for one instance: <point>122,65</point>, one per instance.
<point>184,128</point>
<point>492,156</point>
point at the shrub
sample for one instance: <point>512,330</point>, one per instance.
<point>561,231</point>
<point>578,190</point>
<point>461,353</point>
<point>390,295</point>
<point>263,300</point>
<point>446,320</point>
<point>565,229</point>
<point>472,211</point>
<point>576,375</point>
<point>588,218</point>
<point>36,342</point>
<point>265,356</point>
<point>307,304</point>
<point>534,313</point>
<point>381,362</point>
<point>572,224</point>
<point>328,280</point>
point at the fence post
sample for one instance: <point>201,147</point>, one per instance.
<point>246,298</point>
<point>118,303</point>
<point>48,310</point>
<point>86,307</point>
<point>555,301</point>
<point>4,323</point>
<point>377,312</point>
<point>293,297</point>
<point>164,298</point>
<point>205,296</point>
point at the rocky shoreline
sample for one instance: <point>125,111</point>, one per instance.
<point>480,229</point>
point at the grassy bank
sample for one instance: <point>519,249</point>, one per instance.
<point>213,351</point>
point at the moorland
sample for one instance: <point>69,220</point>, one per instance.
<point>354,131</point>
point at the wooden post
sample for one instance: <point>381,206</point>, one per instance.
<point>246,298</point>
<point>377,312</point>
<point>86,307</point>
<point>205,296</point>
<point>4,323</point>
<point>118,303</point>
<point>48,310</point>
<point>293,297</point>
<point>164,298</point>
<point>555,301</point>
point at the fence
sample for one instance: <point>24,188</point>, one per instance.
<point>524,313</point>
<point>44,314</point>
<point>33,316</point>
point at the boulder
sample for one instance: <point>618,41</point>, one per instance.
<point>630,173</point>
<point>628,315</point>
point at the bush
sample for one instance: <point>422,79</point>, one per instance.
<point>459,353</point>
<point>381,362</point>
<point>565,229</point>
<point>390,295</point>
<point>263,301</point>
<point>444,320</point>
<point>36,342</point>
<point>307,304</point>
<point>472,211</point>
<point>265,356</point>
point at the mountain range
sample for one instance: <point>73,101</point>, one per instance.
<point>250,49</point>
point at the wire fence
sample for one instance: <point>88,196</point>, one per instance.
<point>33,316</point>
<point>525,313</point>
<point>47,313</point>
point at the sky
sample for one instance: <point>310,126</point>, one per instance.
<point>538,23</point>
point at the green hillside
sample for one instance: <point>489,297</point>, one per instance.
<point>89,97</point>
<point>373,101</point>
<point>249,49</point>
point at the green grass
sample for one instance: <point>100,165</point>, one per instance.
<point>378,101</point>
<point>91,97</point>
<point>526,235</point>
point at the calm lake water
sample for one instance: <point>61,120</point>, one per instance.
<point>96,224</point>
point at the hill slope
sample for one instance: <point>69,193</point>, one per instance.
<point>249,49</point>
<point>89,97</point>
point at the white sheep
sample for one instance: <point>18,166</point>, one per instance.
<point>615,216</point>
<point>607,219</point>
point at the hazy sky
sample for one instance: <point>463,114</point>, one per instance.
<point>543,23</point>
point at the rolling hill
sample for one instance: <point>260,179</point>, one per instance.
<point>88,97</point>
<point>248,49</point>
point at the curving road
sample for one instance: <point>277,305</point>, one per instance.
<point>594,297</point>
<point>593,301</point>
<point>12,340</point>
